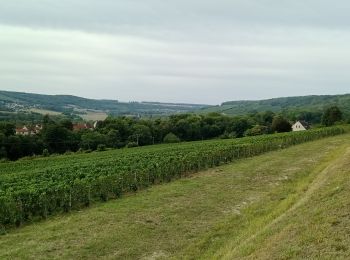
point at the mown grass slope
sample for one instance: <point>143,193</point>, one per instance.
<point>286,204</point>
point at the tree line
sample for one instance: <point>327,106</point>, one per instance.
<point>119,132</point>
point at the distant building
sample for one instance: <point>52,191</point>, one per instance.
<point>96,124</point>
<point>80,127</point>
<point>29,130</point>
<point>37,129</point>
<point>22,131</point>
<point>300,126</point>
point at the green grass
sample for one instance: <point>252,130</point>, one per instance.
<point>44,111</point>
<point>286,204</point>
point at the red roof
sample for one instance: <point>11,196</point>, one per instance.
<point>21,130</point>
<point>32,130</point>
<point>78,127</point>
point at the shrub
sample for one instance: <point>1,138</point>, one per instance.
<point>257,130</point>
<point>121,145</point>
<point>228,135</point>
<point>101,147</point>
<point>3,152</point>
<point>132,144</point>
<point>46,153</point>
<point>171,138</point>
<point>2,231</point>
<point>3,160</point>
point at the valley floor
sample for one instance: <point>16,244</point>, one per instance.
<point>293,203</point>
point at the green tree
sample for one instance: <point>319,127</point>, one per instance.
<point>7,129</point>
<point>141,134</point>
<point>182,129</point>
<point>281,125</point>
<point>3,152</point>
<point>91,140</point>
<point>14,149</point>
<point>66,123</point>
<point>332,115</point>
<point>47,120</point>
<point>240,125</point>
<point>113,138</point>
<point>257,130</point>
<point>59,139</point>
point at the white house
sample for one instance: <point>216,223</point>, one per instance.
<point>300,126</point>
<point>22,131</point>
<point>30,130</point>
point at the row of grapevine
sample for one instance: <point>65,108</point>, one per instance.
<point>35,189</point>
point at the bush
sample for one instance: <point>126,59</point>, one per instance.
<point>121,145</point>
<point>27,158</point>
<point>2,231</point>
<point>171,138</point>
<point>257,130</point>
<point>46,153</point>
<point>132,144</point>
<point>101,147</point>
<point>3,152</point>
<point>4,160</point>
<point>228,135</point>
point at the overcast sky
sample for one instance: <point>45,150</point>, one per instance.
<point>195,51</point>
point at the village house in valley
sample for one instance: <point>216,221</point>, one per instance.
<point>300,126</point>
<point>29,130</point>
<point>82,126</point>
<point>36,129</point>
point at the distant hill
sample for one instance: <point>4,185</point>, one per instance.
<point>20,106</point>
<point>285,104</point>
<point>86,108</point>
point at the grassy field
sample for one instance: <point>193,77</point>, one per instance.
<point>92,115</point>
<point>89,115</point>
<point>286,204</point>
<point>45,112</point>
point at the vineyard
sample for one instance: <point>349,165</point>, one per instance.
<point>35,189</point>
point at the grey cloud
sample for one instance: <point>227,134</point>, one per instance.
<point>181,14</point>
<point>186,51</point>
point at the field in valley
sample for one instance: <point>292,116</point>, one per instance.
<point>290,203</point>
<point>45,111</point>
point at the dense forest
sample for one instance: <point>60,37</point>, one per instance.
<point>58,136</point>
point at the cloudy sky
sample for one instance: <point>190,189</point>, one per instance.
<point>195,51</point>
